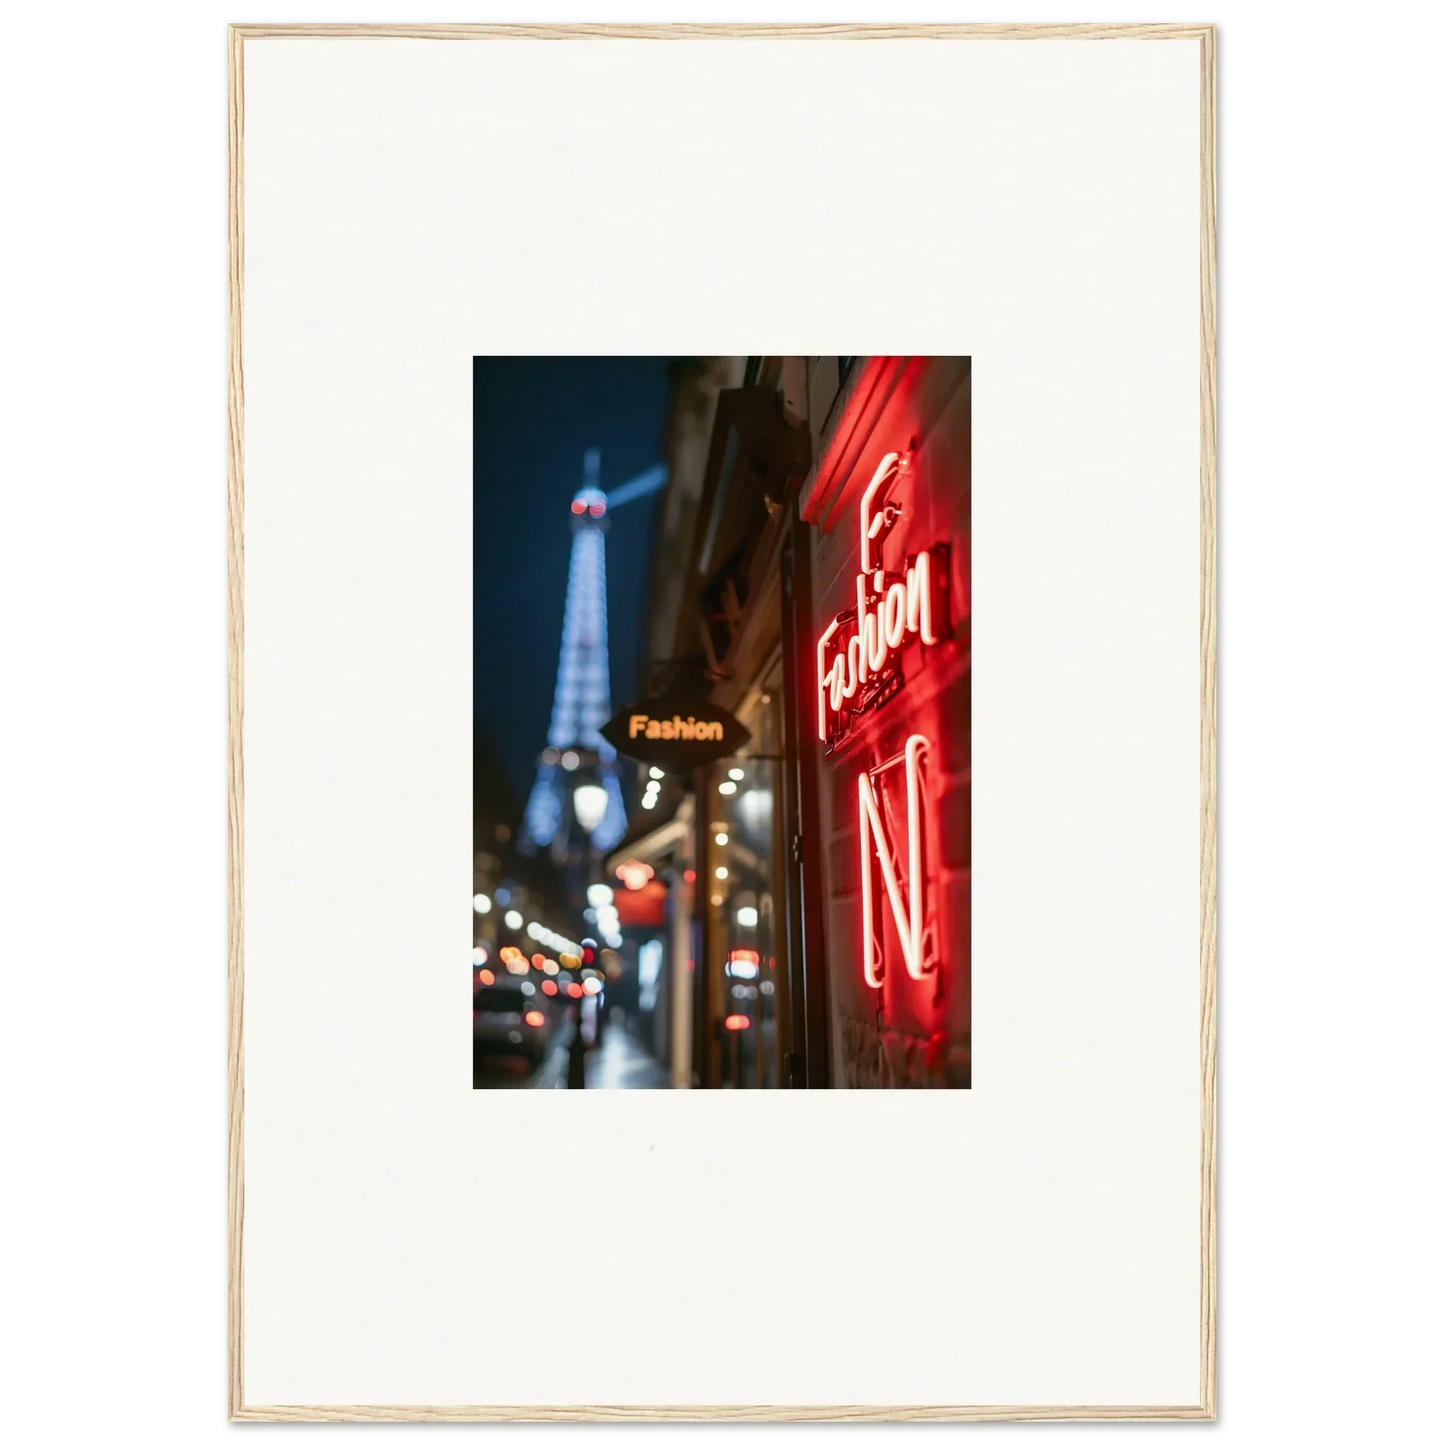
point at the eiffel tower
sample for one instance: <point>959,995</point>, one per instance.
<point>577,754</point>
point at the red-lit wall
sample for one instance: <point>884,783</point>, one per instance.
<point>908,1033</point>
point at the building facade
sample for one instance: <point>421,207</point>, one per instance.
<point>812,576</point>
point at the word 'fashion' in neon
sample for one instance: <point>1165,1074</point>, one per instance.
<point>892,611</point>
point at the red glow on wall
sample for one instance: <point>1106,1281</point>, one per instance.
<point>734,1022</point>
<point>744,955</point>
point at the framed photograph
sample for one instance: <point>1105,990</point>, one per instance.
<point>626,424</point>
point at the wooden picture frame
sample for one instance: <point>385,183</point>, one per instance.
<point>1204,1407</point>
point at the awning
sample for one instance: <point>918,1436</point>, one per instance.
<point>658,844</point>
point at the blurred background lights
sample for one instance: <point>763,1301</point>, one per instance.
<point>598,894</point>
<point>736,774</point>
<point>649,971</point>
<point>634,875</point>
<point>747,916</point>
<point>512,919</point>
<point>656,773</point>
<point>728,788</point>
<point>742,963</point>
<point>570,760</point>
<point>481,903</point>
<point>755,807</point>
<point>589,802</point>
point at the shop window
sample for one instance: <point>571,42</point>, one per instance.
<point>748,980</point>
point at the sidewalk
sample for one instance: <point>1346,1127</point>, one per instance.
<point>622,1063</point>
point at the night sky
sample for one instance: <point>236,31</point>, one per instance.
<point>533,418</point>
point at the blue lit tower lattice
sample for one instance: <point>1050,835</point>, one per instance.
<point>576,751</point>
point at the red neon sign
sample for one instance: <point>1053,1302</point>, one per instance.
<point>861,649</point>
<point>859,667</point>
<point>907,907</point>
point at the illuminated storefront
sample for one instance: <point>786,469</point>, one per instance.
<point>889,504</point>
<point>813,572</point>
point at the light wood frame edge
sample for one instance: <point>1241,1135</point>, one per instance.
<point>1207,1407</point>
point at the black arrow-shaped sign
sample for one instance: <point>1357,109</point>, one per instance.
<point>676,733</point>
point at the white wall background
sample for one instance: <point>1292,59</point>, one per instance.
<point>1033,1240</point>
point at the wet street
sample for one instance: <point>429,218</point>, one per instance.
<point>618,1062</point>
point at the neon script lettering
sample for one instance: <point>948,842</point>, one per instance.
<point>873,842</point>
<point>639,724</point>
<point>859,652</point>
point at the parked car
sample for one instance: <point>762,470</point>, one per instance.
<point>512,1016</point>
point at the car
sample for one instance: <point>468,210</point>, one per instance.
<point>512,1016</point>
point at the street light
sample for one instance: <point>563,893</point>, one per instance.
<point>589,802</point>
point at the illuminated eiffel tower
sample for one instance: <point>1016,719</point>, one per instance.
<point>577,756</point>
